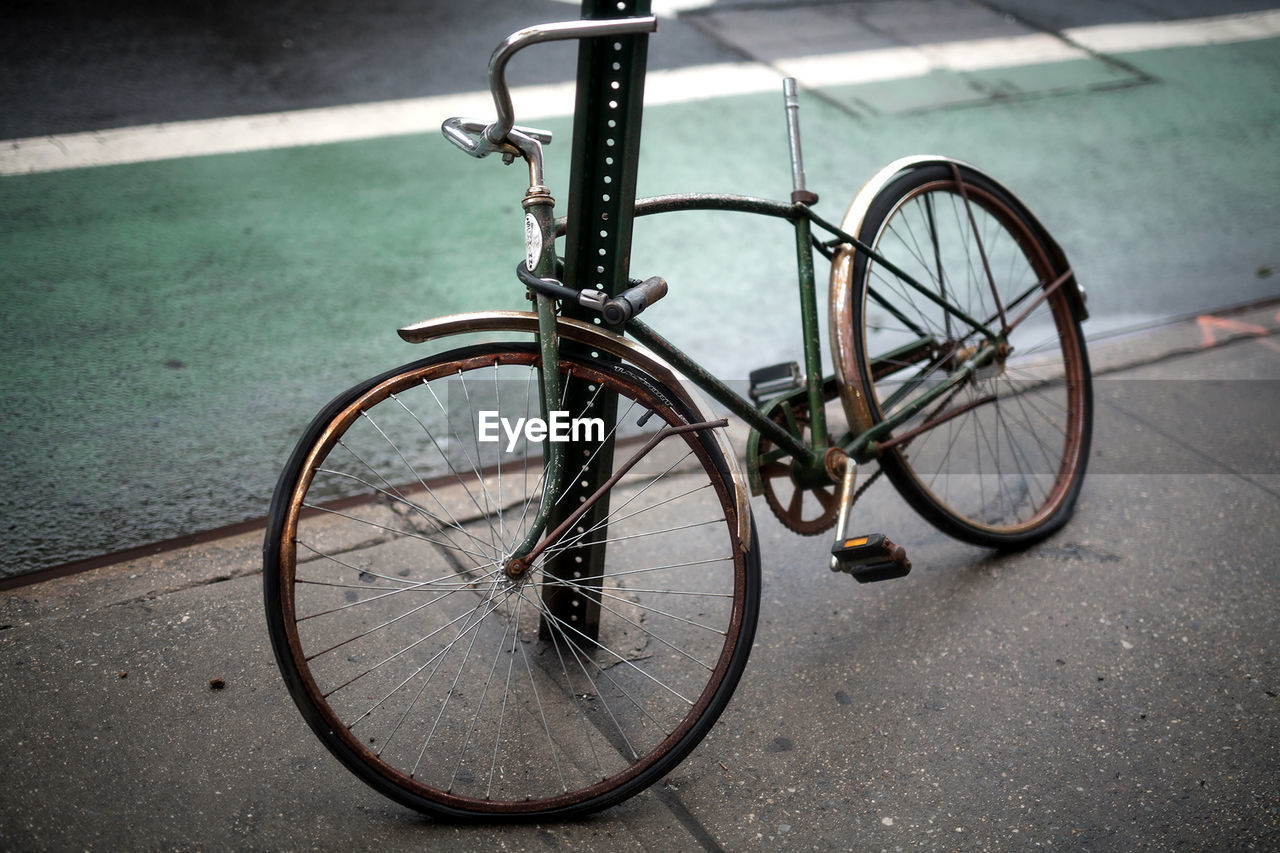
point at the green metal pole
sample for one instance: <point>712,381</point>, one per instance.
<point>602,190</point>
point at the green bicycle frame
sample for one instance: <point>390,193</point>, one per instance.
<point>809,458</point>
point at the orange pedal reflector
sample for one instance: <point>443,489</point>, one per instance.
<point>870,558</point>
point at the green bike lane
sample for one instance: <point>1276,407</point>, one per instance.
<point>171,326</point>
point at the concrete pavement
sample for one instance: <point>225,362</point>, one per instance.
<point>1114,688</point>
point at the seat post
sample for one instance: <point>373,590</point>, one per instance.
<point>600,205</point>
<point>800,193</point>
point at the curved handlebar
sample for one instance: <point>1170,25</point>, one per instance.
<point>536,34</point>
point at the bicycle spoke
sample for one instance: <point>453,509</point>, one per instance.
<point>409,465</point>
<point>397,531</point>
<point>434,662</point>
<point>449,680</point>
<point>386,624</point>
<point>656,611</point>
<point>565,626</point>
<point>998,467</point>
<point>573,542</point>
<point>558,626</point>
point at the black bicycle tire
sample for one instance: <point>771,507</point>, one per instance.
<point>899,472</point>
<point>276,612</point>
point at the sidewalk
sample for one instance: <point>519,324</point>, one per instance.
<point>1112,688</point>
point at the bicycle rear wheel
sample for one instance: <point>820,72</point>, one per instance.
<point>999,460</point>
<point>448,685</point>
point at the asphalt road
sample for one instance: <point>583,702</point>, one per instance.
<point>171,324</point>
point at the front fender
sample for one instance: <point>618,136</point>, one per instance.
<point>604,341</point>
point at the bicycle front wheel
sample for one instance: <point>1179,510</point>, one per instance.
<point>447,684</point>
<point>996,460</point>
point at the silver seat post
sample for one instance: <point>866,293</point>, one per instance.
<point>791,100</point>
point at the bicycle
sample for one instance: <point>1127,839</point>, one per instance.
<point>520,579</point>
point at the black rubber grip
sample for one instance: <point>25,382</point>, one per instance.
<point>633,300</point>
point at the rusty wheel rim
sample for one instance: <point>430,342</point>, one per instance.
<point>1037,432</point>
<point>573,756</point>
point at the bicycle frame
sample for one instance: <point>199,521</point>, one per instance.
<point>810,459</point>
<point>809,456</point>
<point>815,463</point>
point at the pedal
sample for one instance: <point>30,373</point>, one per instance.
<point>774,380</point>
<point>869,558</point>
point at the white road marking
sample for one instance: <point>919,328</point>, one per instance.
<point>1224,29</point>
<point>422,115</point>
<point>661,8</point>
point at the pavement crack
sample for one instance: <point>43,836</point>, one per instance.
<point>1184,352</point>
<point>1140,77</point>
<point>1076,551</point>
<point>195,583</point>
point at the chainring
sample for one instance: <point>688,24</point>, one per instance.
<point>804,510</point>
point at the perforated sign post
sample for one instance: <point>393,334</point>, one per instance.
<point>602,191</point>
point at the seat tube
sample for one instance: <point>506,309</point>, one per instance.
<point>602,189</point>
<point>803,199</point>
<point>809,325</point>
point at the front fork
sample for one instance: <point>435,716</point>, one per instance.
<point>540,259</point>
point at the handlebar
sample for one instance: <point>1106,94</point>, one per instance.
<point>478,139</point>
